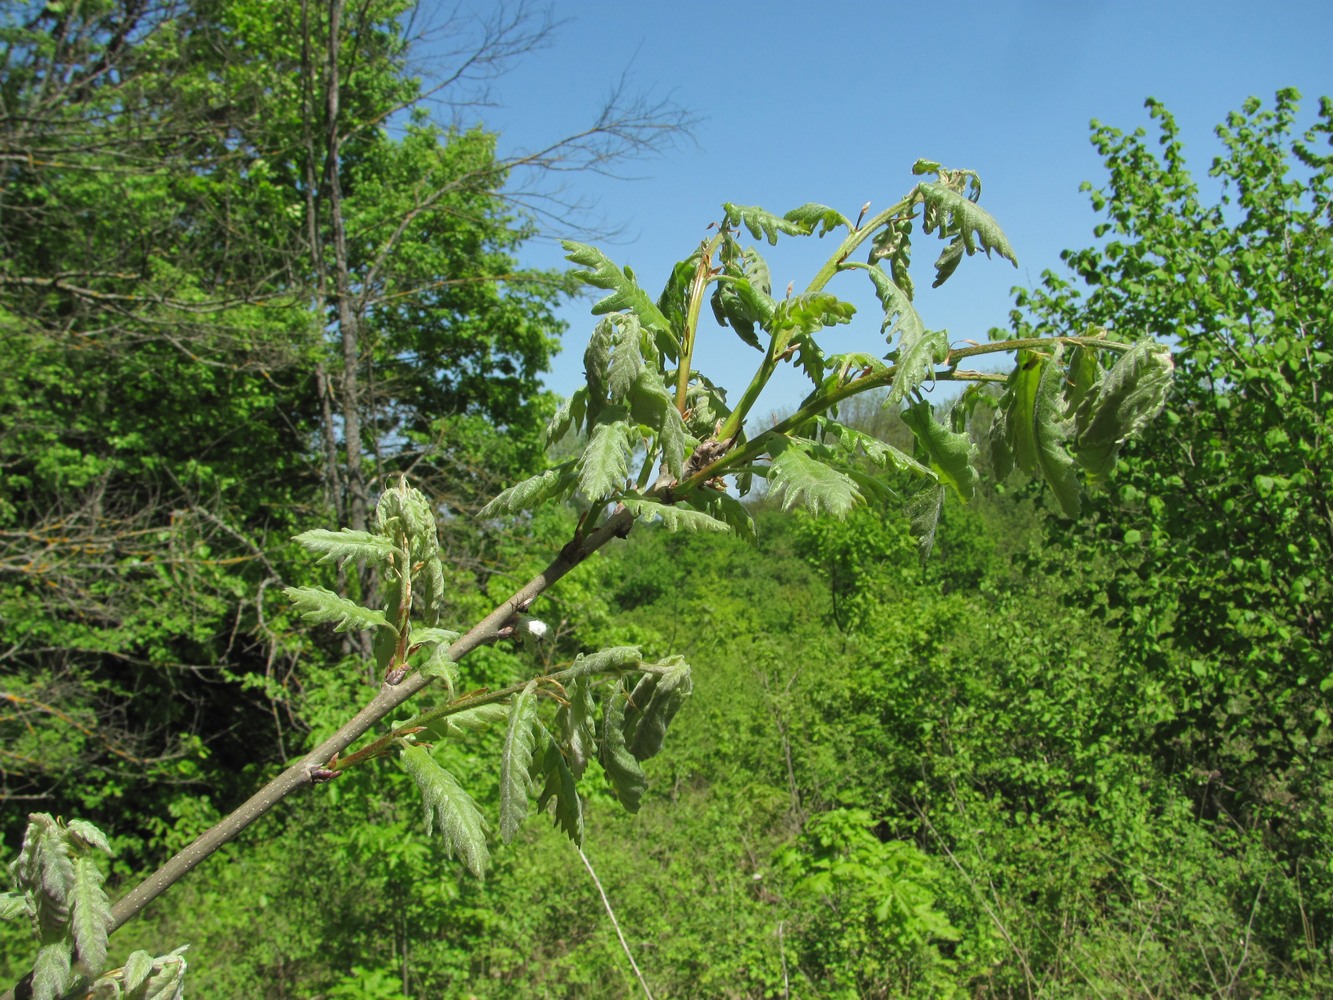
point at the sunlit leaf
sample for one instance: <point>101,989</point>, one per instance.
<point>762,223</point>
<point>604,465</point>
<point>673,686</point>
<point>967,224</point>
<point>795,479</point>
<point>626,295</point>
<point>319,605</point>
<point>90,914</point>
<point>916,350</point>
<point>552,484</point>
<point>1131,394</point>
<point>673,516</point>
<point>923,510</point>
<point>338,546</point>
<point>818,219</point>
<point>949,453</point>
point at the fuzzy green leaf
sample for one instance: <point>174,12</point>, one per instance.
<point>626,355</point>
<point>561,787</point>
<point>338,546</point>
<point>923,510</point>
<point>674,302</point>
<point>812,217</point>
<point>883,454</point>
<point>1020,408</point>
<point>796,479</point>
<point>89,834</point>
<point>668,694</point>
<point>762,223</point>
<point>13,905</point>
<point>624,771</point>
<point>742,297</point>
<point>604,661</point>
<point>319,605</point>
<point>461,824</point>
<point>918,349</point>
<point>674,517</point>
<point>965,222</point>
<point>568,415</point>
<point>1081,377</point>
<point>806,314</point>
<point>626,295</point>
<point>516,760</point>
<point>576,724</point>
<point>1131,394</point>
<point>604,465</point>
<point>51,972</point>
<point>552,484</point>
<point>652,405</point>
<point>439,664</point>
<point>1051,432</point>
<point>722,506</point>
<point>167,981</point>
<point>472,720</point>
<point>90,914</point>
<point>949,453</point>
<point>138,967</point>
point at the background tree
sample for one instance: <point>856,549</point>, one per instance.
<point>245,276</point>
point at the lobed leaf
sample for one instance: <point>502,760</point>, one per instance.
<point>471,720</point>
<point>51,973</point>
<point>626,295</point>
<point>604,661</point>
<point>90,914</point>
<point>722,506</point>
<point>604,465</point>
<point>918,350</point>
<point>1131,394</point>
<point>949,453</point>
<point>626,776</point>
<point>762,223</point>
<point>552,484</point>
<point>13,905</point>
<point>796,479</point>
<point>1051,432</point>
<point>959,218</point>
<point>923,510</point>
<point>806,314</point>
<point>668,694</point>
<point>138,967</point>
<point>674,517</point>
<point>319,605</point>
<point>882,453</point>
<point>561,787</point>
<point>742,297</point>
<point>447,805</point>
<point>575,721</point>
<point>812,217</point>
<point>516,760</point>
<point>653,406</point>
<point>569,414</point>
<point>339,546</point>
<point>90,835</point>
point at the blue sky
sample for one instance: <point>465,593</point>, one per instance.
<point>833,102</point>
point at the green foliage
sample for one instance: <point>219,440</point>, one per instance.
<point>449,808</point>
<point>58,888</point>
<point>516,761</point>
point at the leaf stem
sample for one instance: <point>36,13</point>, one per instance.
<point>700,285</point>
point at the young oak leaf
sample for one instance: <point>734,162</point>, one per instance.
<point>449,807</point>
